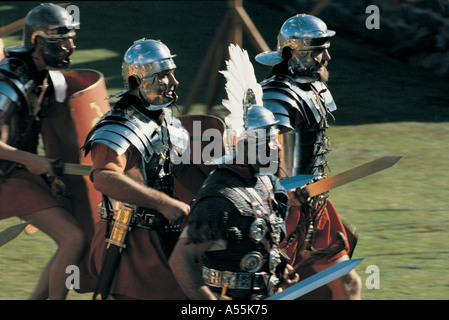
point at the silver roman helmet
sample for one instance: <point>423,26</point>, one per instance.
<point>251,136</point>
<point>145,60</point>
<point>53,24</point>
<point>260,137</point>
<point>303,34</point>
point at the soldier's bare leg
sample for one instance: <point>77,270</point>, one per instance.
<point>58,224</point>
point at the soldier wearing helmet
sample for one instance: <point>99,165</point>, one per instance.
<point>132,149</point>
<point>48,31</point>
<point>145,62</point>
<point>31,84</point>
<point>297,94</point>
<point>236,222</point>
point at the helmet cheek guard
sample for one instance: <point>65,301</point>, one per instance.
<point>146,60</point>
<point>302,34</point>
<point>55,53</point>
<point>260,138</point>
<point>55,26</point>
<point>304,66</point>
<point>153,92</point>
<point>263,150</point>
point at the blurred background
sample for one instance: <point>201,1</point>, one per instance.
<point>391,88</point>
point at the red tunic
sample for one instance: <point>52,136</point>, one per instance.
<point>327,227</point>
<point>25,193</point>
<point>143,272</point>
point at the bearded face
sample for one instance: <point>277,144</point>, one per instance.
<point>324,73</point>
<point>310,65</point>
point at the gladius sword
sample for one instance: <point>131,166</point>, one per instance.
<point>296,181</point>
<point>12,232</point>
<point>76,169</point>
<point>324,185</point>
<point>317,280</point>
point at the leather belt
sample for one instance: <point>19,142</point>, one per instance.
<point>235,280</point>
<point>156,222</point>
<point>152,221</point>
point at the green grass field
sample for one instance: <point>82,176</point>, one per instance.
<point>385,107</point>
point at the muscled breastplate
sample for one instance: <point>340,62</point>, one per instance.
<point>305,146</point>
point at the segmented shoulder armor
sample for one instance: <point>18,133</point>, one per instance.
<point>284,97</point>
<point>16,84</point>
<point>306,145</point>
<point>121,128</point>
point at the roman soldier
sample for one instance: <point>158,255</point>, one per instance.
<point>31,88</point>
<point>236,224</point>
<point>297,94</point>
<point>132,149</point>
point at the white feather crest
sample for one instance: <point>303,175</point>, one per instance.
<point>240,77</point>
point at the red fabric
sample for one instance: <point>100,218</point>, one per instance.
<point>327,227</point>
<point>143,272</point>
<point>25,193</point>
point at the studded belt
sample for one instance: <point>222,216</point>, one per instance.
<point>235,280</point>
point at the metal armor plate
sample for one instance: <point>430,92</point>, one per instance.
<point>284,91</point>
<point>305,145</point>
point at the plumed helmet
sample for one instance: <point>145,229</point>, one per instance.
<point>301,32</point>
<point>145,59</point>
<point>48,21</point>
<point>256,117</point>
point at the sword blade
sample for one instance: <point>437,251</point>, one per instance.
<point>317,280</point>
<point>10,233</point>
<point>350,175</point>
<point>76,169</point>
<point>296,181</point>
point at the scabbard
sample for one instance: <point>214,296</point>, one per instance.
<point>106,277</point>
<point>116,243</point>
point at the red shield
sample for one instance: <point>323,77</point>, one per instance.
<point>65,131</point>
<point>190,176</point>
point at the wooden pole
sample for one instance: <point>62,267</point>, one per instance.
<point>234,22</point>
<point>19,24</point>
<point>319,7</point>
<point>251,31</point>
<point>207,65</point>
